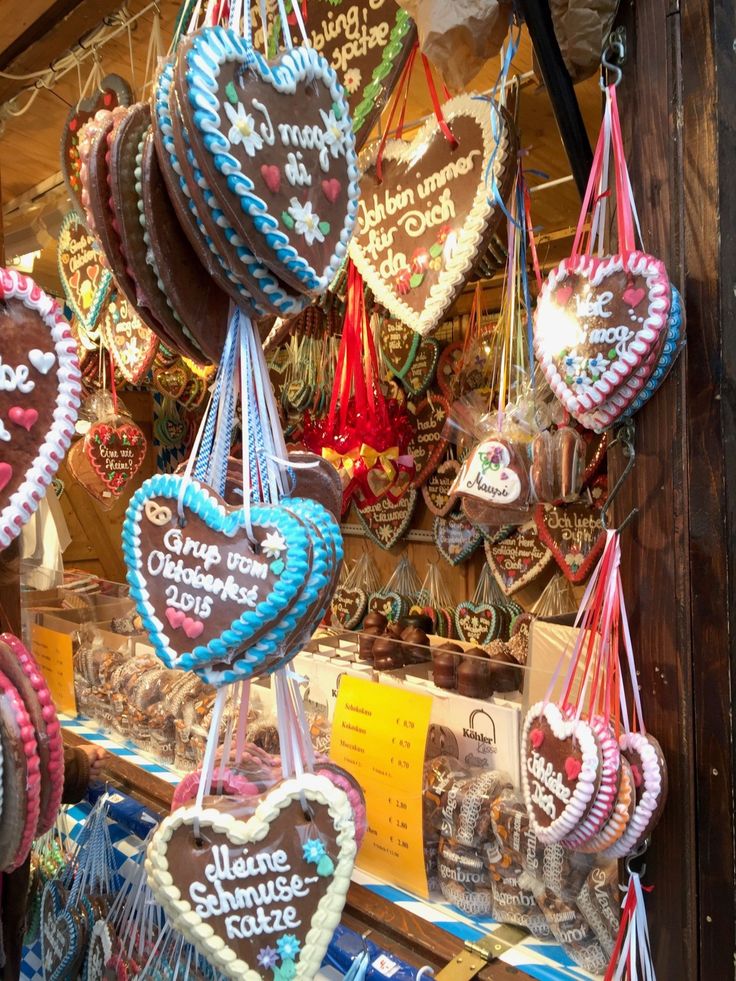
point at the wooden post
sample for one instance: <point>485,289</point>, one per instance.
<point>678,575</point>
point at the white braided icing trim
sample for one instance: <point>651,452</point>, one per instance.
<point>650,801</point>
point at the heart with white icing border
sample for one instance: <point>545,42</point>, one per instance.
<point>422,224</point>
<point>649,775</point>
<point>387,521</point>
<point>246,115</point>
<point>427,444</point>
<point>39,370</point>
<point>560,771</point>
<point>517,558</point>
<point>290,925</point>
<point>436,489</point>
<point>244,600</point>
<point>598,325</point>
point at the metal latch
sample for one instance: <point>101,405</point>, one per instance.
<point>477,953</point>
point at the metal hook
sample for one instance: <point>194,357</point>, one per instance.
<point>635,856</point>
<point>612,57</point>
<point>624,436</point>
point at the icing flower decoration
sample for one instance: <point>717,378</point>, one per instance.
<point>403,280</point>
<point>597,365</point>
<point>268,957</point>
<point>581,381</point>
<point>334,131</point>
<point>351,80</point>
<point>306,222</point>
<point>273,544</point>
<point>288,946</point>
<point>443,233</point>
<point>420,260</point>
<point>572,364</point>
<point>313,850</point>
<point>243,129</point>
<point>574,560</point>
<point>286,972</point>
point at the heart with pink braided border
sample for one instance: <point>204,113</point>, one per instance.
<point>21,778</point>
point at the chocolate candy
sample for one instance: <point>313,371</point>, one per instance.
<point>444,665</point>
<point>474,674</point>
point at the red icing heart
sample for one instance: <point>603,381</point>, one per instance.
<point>175,617</point>
<point>563,294</point>
<point>192,628</point>
<point>331,189</point>
<point>26,418</point>
<point>271,175</point>
<point>636,774</point>
<point>536,738</point>
<point>572,767</point>
<point>632,295</point>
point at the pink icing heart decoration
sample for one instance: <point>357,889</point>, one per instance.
<point>6,472</point>
<point>192,628</point>
<point>563,294</point>
<point>271,175</point>
<point>536,738</point>
<point>598,345</point>
<point>572,767</point>
<point>331,189</point>
<point>634,296</point>
<point>175,617</point>
<point>27,418</point>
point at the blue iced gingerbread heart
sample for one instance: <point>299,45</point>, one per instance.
<point>205,590</point>
<point>274,142</point>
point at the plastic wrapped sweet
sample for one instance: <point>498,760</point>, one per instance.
<point>513,902</point>
<point>440,775</point>
<point>558,464</point>
<point>466,810</point>
<point>464,879</point>
<point>569,927</point>
<point>600,903</point>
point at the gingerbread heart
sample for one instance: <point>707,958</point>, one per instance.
<point>116,451</point>
<point>367,45</point>
<point>423,220</point>
<point>517,558</point>
<point>495,474</point>
<point>476,623</point>
<point>449,376</point>
<point>348,607</point>
<point>421,372</point>
<point>428,445</point>
<point>456,538</point>
<point>573,533</point>
<point>598,325</point>
<point>39,373</point>
<point>201,586</point>
<point>560,771</point>
<point>84,279</point>
<point>649,776</point>
<point>399,345</point>
<point>113,91</point>
<point>244,112</point>
<point>436,490</point>
<point>387,521</point>
<point>388,603</point>
<point>21,778</point>
<point>132,344</point>
<point>260,892</point>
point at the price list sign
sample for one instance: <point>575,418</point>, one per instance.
<point>379,734</point>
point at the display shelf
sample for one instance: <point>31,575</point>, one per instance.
<point>370,902</point>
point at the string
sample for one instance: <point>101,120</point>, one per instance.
<point>403,84</point>
<point>446,131</point>
<point>208,762</point>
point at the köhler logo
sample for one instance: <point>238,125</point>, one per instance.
<point>482,729</point>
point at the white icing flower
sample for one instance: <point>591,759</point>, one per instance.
<point>334,131</point>
<point>306,222</point>
<point>597,365</point>
<point>243,129</point>
<point>580,381</point>
<point>130,351</point>
<point>273,544</point>
<point>351,81</point>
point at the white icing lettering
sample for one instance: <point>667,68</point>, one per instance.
<point>15,379</point>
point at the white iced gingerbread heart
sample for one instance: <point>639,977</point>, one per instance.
<point>649,776</point>
<point>493,473</point>
<point>258,891</point>
<point>560,771</point>
<point>598,325</point>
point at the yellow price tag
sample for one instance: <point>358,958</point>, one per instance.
<point>378,735</point>
<point>53,651</point>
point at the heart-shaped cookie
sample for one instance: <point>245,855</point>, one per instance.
<point>421,372</point>
<point>39,371</point>
<point>244,114</point>
<point>387,521</point>
<point>598,322</point>
<point>495,474</point>
<point>428,445</point>
<point>203,589</point>
<point>560,771</point>
<point>62,946</point>
<point>367,45</point>
<point>436,489</point>
<point>518,558</point>
<point>477,623</point>
<point>113,91</point>
<point>85,280</point>
<point>259,892</point>
<point>18,664</point>
<point>649,776</point>
<point>388,603</point>
<point>398,344</point>
<point>573,533</point>
<point>348,607</point>
<point>422,223</point>
<point>21,778</point>
<point>449,367</point>
<point>132,344</point>
<point>456,538</point>
<point>116,451</point>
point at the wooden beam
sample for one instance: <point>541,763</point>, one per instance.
<point>559,85</point>
<point>58,30</point>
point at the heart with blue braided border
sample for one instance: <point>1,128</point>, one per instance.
<point>274,142</point>
<point>207,590</point>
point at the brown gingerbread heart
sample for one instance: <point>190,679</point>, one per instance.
<point>85,279</point>
<point>518,558</point>
<point>436,489</point>
<point>421,372</point>
<point>387,521</point>
<point>428,445</point>
<point>116,450</point>
<point>398,345</point>
<point>132,344</point>
<point>573,533</point>
<point>456,538</point>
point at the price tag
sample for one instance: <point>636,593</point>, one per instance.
<point>53,652</point>
<point>379,734</point>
